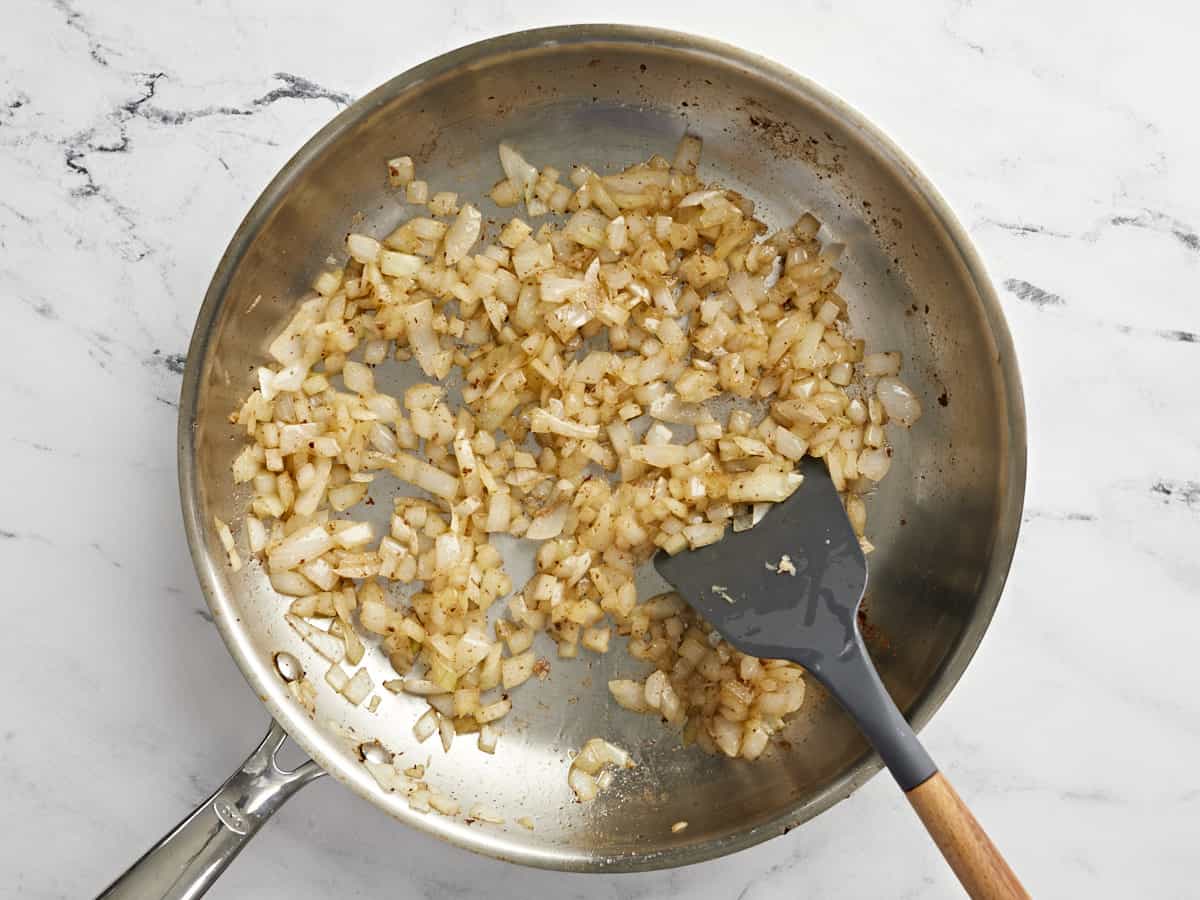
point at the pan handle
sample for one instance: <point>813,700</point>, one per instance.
<point>185,863</point>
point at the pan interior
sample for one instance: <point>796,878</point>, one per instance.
<point>944,522</point>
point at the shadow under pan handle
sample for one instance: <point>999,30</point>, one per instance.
<point>187,861</point>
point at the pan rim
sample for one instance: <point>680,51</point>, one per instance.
<point>268,688</point>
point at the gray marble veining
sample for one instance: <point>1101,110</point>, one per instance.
<point>133,137</point>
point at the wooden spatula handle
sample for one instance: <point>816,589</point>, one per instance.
<point>971,854</point>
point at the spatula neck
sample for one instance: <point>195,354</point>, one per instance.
<point>851,677</point>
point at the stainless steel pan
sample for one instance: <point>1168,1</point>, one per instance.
<point>945,522</point>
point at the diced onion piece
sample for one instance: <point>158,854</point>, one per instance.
<point>490,668</point>
<point>417,192</point>
<point>387,777</point>
<point>226,538</point>
<point>447,551</point>
<point>898,400</point>
<point>421,687</point>
<point>423,475</point>
<point>754,740</point>
<point>400,171</point>
<point>874,463</point>
<point>557,289</point>
<point>543,422</point>
<point>399,265</point>
<point>876,364</point>
<point>304,544</point>
<point>687,154</point>
<point>499,512</point>
<point>256,534</point>
<point>292,584</point>
<point>516,670</point>
<point>629,694</point>
<point>245,466</point>
<point>504,194</point>
<point>446,732</point>
<point>789,445</point>
<point>588,770</point>
<point>363,248</point>
<point>320,572</point>
<point>521,175</point>
<point>418,319</point>
<point>359,687</point>
<point>548,524</point>
<point>703,533</point>
<point>588,228</point>
<point>327,283</point>
<point>328,645</point>
<point>344,496</point>
<point>763,485</point>
<point>462,234</point>
<point>662,456</point>
<point>353,535</point>
<point>489,737</point>
<point>583,784</point>
<point>443,804</point>
<point>493,711</point>
<point>596,639</point>
<point>426,725</point>
<point>670,408</point>
<point>598,753</point>
<point>337,678</point>
<point>443,203</point>
<point>696,198</point>
<point>471,650</point>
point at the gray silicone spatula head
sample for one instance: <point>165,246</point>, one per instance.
<point>789,587</point>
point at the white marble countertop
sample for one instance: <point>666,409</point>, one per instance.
<point>133,137</point>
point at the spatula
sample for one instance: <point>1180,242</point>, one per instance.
<point>790,588</point>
